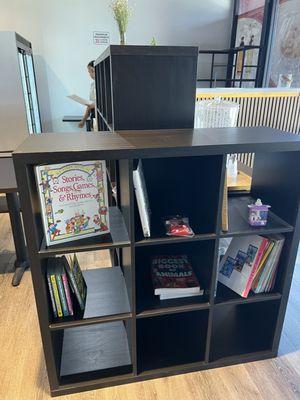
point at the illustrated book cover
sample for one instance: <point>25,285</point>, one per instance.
<point>173,274</point>
<point>238,266</point>
<point>74,201</point>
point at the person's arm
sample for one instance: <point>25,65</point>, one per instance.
<point>86,115</point>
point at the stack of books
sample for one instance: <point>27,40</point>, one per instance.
<point>251,263</point>
<point>173,277</point>
<point>66,284</point>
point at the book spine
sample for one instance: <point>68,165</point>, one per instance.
<point>62,296</point>
<point>142,206</point>
<point>259,256</point>
<point>56,296</point>
<point>67,293</point>
<point>52,296</point>
<point>37,171</point>
<point>272,278</point>
<point>76,290</point>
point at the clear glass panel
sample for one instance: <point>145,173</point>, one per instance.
<point>25,93</point>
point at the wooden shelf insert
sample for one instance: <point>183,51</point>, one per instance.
<point>118,237</point>
<point>94,351</point>
<point>238,220</point>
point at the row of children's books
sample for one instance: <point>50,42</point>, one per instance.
<point>251,263</point>
<point>66,284</point>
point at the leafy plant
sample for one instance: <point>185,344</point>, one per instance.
<point>122,12</point>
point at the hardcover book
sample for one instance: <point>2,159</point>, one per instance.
<point>73,199</point>
<point>63,285</point>
<point>173,274</point>
<point>76,280</point>
<point>51,290</point>
<point>61,291</point>
<point>57,310</point>
<point>265,277</point>
<point>238,267</point>
<point>142,198</point>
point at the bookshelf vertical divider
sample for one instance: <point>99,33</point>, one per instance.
<point>128,334</point>
<point>213,287</point>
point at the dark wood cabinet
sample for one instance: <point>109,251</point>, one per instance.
<point>126,333</point>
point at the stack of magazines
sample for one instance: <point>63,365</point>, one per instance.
<point>173,277</point>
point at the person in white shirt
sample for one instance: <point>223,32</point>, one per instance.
<point>90,109</point>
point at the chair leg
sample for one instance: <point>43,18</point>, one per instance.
<point>21,262</point>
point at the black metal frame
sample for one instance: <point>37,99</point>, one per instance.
<point>232,52</point>
<point>231,78</point>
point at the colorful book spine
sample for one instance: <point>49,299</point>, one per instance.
<point>52,297</point>
<point>56,295</point>
<point>62,296</point>
<point>260,254</point>
<point>67,293</point>
<point>262,265</point>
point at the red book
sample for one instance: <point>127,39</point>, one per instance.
<point>173,274</point>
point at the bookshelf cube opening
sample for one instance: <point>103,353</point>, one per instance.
<point>118,221</point>
<point>93,352</point>
<point>181,185</point>
<point>238,215</point>
<point>169,340</point>
<point>270,273</point>
<point>108,290</point>
<point>243,328</point>
<point>271,177</point>
<point>200,255</point>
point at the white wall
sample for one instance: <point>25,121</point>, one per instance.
<point>61,35</point>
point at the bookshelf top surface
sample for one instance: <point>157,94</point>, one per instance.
<point>138,50</point>
<point>155,143</point>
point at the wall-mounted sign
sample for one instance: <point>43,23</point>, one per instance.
<point>101,38</point>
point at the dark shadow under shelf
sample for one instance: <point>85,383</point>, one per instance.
<point>226,296</point>
<point>118,237</point>
<point>238,220</point>
<point>242,329</point>
<point>107,299</point>
<point>91,352</point>
<point>171,340</point>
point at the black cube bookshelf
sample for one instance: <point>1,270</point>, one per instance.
<point>146,87</point>
<point>126,334</point>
